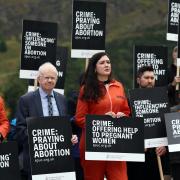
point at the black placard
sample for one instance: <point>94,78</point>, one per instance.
<point>38,46</point>
<point>61,62</point>
<point>173,131</point>
<point>155,56</point>
<point>151,104</point>
<point>115,139</point>
<point>49,145</point>
<point>9,163</point>
<point>88,31</point>
<point>173,20</point>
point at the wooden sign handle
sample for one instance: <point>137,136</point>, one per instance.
<point>177,74</point>
<point>160,167</point>
<point>35,84</point>
<point>87,62</point>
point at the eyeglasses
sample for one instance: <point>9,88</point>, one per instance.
<point>49,78</point>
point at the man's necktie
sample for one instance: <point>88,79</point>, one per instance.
<point>50,107</point>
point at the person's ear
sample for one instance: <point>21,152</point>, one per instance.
<point>38,79</point>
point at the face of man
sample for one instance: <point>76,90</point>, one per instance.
<point>147,80</point>
<point>47,79</point>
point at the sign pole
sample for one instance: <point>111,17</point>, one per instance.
<point>35,84</point>
<point>177,74</point>
<point>86,64</point>
<point>160,167</point>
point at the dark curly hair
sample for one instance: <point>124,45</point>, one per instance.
<point>93,89</point>
<point>143,69</point>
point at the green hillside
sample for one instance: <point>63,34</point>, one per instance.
<point>129,22</point>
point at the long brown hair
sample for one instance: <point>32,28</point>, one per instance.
<point>92,87</point>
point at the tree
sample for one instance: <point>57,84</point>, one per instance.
<point>11,91</point>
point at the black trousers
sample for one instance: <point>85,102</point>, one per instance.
<point>147,170</point>
<point>175,171</point>
<point>25,176</point>
<point>78,169</point>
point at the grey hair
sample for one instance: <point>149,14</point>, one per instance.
<point>45,66</point>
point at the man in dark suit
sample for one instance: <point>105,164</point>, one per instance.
<point>36,104</point>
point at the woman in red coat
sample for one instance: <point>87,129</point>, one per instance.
<point>101,95</point>
<point>4,122</point>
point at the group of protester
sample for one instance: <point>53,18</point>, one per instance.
<point>99,94</point>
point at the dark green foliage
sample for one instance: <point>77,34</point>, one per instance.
<point>3,46</point>
<point>12,90</point>
<point>129,22</point>
<point>121,52</point>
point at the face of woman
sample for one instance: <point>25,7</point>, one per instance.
<point>103,68</point>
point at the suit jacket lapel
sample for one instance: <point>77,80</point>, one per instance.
<point>38,103</point>
<point>58,102</point>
